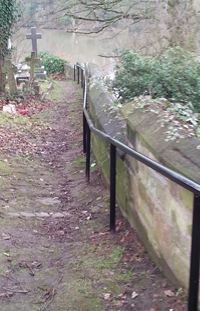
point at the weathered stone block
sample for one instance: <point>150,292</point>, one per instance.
<point>173,188</point>
<point>187,197</point>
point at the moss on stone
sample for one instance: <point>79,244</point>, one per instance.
<point>183,157</point>
<point>173,216</point>
<point>187,197</point>
<point>190,230</point>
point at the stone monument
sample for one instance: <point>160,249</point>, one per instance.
<point>39,70</point>
<point>33,62</point>
<point>9,69</point>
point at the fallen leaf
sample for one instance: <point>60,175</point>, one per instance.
<point>107,296</point>
<point>152,309</point>
<point>134,295</point>
<point>7,294</point>
<point>5,236</point>
<point>99,198</point>
<point>125,259</point>
<point>164,284</point>
<point>123,240</point>
<point>169,293</point>
<point>122,296</point>
<point>133,257</point>
<point>119,304</point>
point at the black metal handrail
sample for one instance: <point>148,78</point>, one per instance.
<point>181,180</point>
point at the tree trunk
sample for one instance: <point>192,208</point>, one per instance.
<point>2,74</point>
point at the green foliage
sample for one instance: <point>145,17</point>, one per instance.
<point>29,90</point>
<point>174,75</point>
<point>64,20</point>
<point>10,12</point>
<point>52,64</point>
<point>32,7</point>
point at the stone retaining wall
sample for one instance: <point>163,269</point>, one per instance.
<point>156,207</point>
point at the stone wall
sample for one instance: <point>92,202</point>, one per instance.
<point>69,71</point>
<point>163,208</point>
<point>156,207</point>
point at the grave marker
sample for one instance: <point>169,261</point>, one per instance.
<point>33,62</point>
<point>40,73</point>
<point>9,69</point>
<point>34,36</point>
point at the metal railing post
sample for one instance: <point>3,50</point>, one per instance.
<point>87,172</point>
<point>78,74</point>
<point>74,72</point>
<point>195,256</point>
<point>84,133</point>
<point>112,186</point>
<point>81,77</point>
<point>83,88</point>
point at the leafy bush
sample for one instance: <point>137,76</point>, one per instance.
<point>52,64</point>
<point>64,20</point>
<point>175,74</point>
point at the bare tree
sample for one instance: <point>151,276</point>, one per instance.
<point>103,13</point>
<point>154,25</point>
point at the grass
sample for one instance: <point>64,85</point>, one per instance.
<point>15,121</point>
<point>55,94</point>
<point>79,160</point>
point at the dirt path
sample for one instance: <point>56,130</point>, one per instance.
<point>56,252</point>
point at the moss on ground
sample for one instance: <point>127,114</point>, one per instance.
<point>56,93</point>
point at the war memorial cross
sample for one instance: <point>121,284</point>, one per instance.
<point>34,36</point>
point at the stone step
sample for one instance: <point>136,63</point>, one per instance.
<point>39,214</point>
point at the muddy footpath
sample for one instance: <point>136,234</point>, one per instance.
<point>56,252</point>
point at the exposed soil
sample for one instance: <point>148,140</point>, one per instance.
<point>56,252</point>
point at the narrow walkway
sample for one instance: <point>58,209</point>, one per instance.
<point>56,252</point>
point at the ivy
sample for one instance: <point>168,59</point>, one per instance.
<point>174,75</point>
<point>10,12</point>
<point>52,64</point>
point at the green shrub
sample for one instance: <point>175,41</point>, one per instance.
<point>64,20</point>
<point>52,64</point>
<point>175,74</point>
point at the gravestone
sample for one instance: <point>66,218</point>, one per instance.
<point>33,62</point>
<point>39,70</point>
<point>9,69</point>
<point>34,36</point>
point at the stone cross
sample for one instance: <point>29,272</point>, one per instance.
<point>34,36</point>
<point>33,62</point>
<point>9,69</point>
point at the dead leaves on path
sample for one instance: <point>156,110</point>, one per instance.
<point>6,295</point>
<point>169,293</point>
<point>14,132</point>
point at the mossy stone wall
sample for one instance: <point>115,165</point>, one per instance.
<point>156,207</point>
